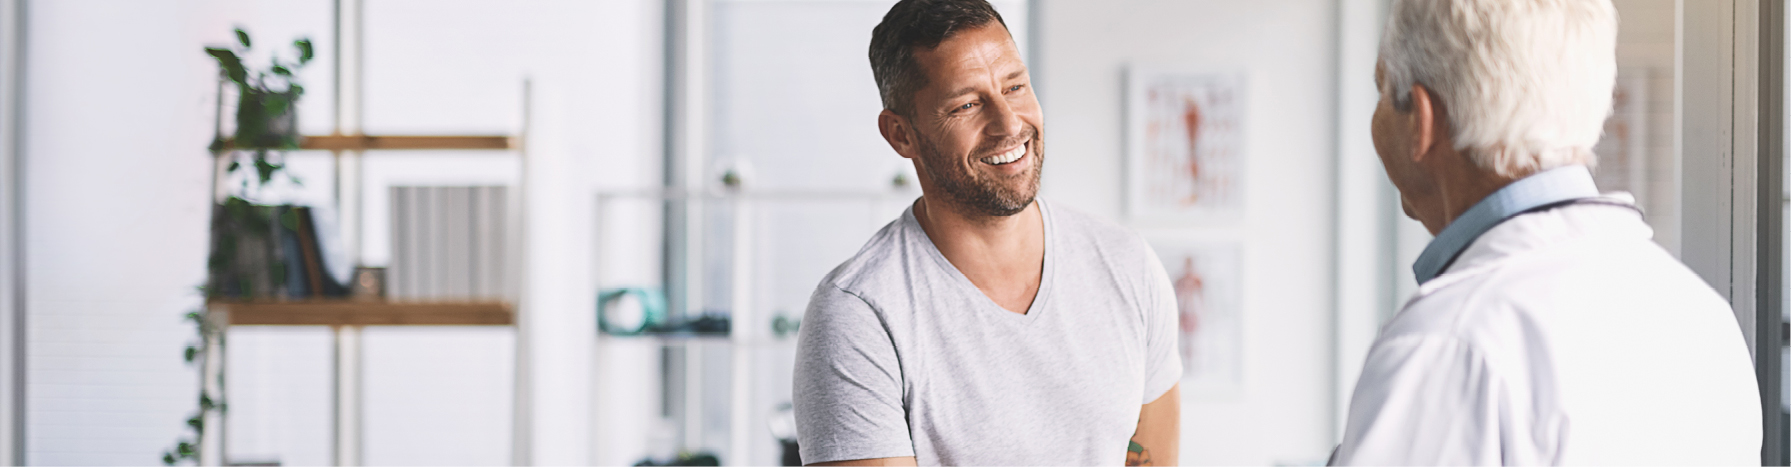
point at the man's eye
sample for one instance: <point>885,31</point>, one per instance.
<point>967,106</point>
<point>1015,88</point>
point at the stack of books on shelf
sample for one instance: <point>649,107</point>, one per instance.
<point>449,243</point>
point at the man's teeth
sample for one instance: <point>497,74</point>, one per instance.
<point>1006,157</point>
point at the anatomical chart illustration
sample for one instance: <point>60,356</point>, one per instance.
<point>1185,147</point>
<point>1208,284</point>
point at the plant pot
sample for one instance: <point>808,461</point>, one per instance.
<point>267,120</point>
<point>253,254</point>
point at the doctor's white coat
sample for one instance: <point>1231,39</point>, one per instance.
<point>1559,337</point>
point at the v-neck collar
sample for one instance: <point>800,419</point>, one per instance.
<point>986,304</point>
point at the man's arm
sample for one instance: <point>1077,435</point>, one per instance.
<point>848,384</point>
<point>1158,439</point>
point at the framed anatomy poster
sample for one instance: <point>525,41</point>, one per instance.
<point>1184,146</point>
<point>1208,281</point>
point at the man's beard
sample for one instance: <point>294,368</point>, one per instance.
<point>972,192</point>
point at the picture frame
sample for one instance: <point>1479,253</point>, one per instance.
<point>1185,146</point>
<point>1207,277</point>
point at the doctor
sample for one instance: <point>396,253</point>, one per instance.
<point>1547,328</point>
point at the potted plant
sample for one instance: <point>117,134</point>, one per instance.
<point>246,257</point>
<point>246,261</point>
<point>266,114</point>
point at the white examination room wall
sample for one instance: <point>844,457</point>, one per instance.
<point>118,112</point>
<point>1282,415</point>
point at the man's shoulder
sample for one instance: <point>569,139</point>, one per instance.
<point>885,257</point>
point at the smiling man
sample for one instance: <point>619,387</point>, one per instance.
<point>983,326</point>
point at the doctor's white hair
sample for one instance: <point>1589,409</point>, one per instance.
<point>1525,84</point>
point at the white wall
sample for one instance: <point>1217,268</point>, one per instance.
<point>1646,43</point>
<point>119,111</point>
<point>1283,413</point>
<point>117,119</point>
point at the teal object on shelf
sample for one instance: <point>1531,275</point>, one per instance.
<point>650,301</point>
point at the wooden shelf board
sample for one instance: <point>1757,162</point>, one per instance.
<point>360,143</point>
<point>397,142</point>
<point>365,313</point>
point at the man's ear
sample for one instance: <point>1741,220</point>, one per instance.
<point>898,131</point>
<point>1430,120</point>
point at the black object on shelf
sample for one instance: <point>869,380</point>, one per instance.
<point>792,455</point>
<point>783,427</point>
<point>263,251</point>
<point>707,324</point>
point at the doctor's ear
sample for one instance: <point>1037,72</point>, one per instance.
<point>1429,122</point>
<point>897,131</point>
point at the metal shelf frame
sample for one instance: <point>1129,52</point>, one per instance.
<point>746,335</point>
<point>346,317</point>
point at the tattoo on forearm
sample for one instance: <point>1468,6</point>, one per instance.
<point>1136,454</point>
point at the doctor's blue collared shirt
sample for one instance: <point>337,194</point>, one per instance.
<point>1541,189</point>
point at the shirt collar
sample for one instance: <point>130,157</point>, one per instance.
<point>1544,188</point>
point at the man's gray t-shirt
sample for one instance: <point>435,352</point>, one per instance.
<point>900,355</point>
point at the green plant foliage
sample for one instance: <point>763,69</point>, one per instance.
<point>187,447</point>
<point>304,48</point>
<point>232,66</point>
<point>265,98</point>
<point>243,232</point>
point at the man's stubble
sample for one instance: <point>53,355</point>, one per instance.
<point>971,192</point>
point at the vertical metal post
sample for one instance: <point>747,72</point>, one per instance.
<point>521,404</point>
<point>744,325</point>
<point>12,233</point>
<point>1769,222</point>
<point>347,396</point>
<point>687,28</point>
<point>211,381</point>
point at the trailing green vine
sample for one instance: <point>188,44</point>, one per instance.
<point>187,447</point>
<point>244,262</point>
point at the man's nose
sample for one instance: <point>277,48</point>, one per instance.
<point>1004,119</point>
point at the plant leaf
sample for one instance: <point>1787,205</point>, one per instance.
<point>243,37</point>
<point>305,51</point>
<point>232,65</point>
<point>282,71</point>
<point>192,353</point>
<point>264,169</point>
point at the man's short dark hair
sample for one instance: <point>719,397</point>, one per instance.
<point>921,24</point>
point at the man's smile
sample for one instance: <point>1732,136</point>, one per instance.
<point>1009,156</point>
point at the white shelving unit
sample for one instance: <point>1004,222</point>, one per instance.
<point>346,317</point>
<point>750,335</point>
